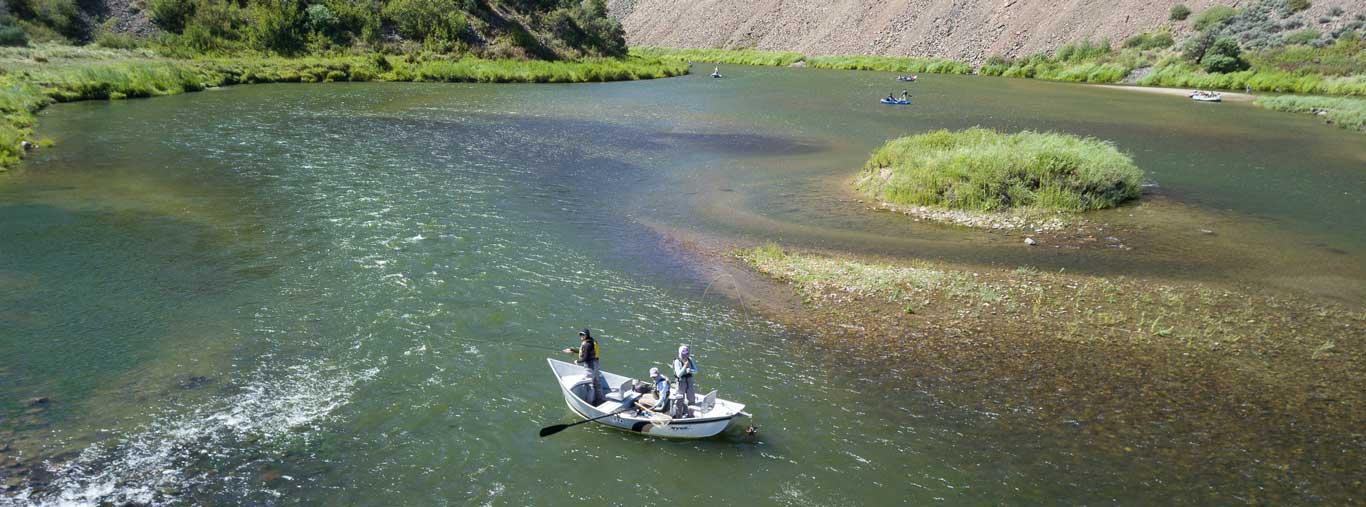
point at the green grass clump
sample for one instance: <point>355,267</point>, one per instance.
<point>1348,113</point>
<point>727,56</point>
<point>890,64</point>
<point>983,170</point>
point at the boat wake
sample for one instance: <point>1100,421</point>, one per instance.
<point>213,450</point>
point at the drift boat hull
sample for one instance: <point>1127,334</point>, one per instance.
<point>707,421</point>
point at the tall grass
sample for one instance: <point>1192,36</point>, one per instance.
<point>1182,74</point>
<point>890,64</point>
<point>983,170</point>
<point>29,85</point>
<point>727,56</point>
<point>783,59</point>
<point>1348,113</point>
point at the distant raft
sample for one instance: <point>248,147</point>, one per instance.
<point>896,102</point>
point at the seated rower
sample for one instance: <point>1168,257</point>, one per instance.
<point>658,400</point>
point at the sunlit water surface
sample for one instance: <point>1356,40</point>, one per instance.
<point>344,294</point>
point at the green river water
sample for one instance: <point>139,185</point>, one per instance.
<point>345,293</point>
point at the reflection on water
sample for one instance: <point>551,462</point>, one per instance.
<point>344,293</point>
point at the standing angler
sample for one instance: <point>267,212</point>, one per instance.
<point>588,357</point>
<point>684,368</point>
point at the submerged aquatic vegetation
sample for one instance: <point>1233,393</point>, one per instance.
<point>983,170</point>
<point>1345,112</point>
<point>1124,363</point>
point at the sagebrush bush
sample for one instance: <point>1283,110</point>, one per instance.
<point>1213,16</point>
<point>1147,41</point>
<point>1179,12</point>
<point>1293,6</point>
<point>1304,37</point>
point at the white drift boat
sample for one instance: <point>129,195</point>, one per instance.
<point>1203,96</point>
<point>709,416</point>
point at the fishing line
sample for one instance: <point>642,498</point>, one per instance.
<point>523,344</point>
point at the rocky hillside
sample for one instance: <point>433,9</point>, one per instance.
<point>961,30</point>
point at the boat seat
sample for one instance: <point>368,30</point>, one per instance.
<point>618,393</point>
<point>706,404</point>
<point>609,406</point>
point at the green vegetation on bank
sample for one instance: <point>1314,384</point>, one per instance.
<point>784,59</point>
<point>890,64</point>
<point>1345,112</point>
<point>64,74</point>
<point>727,56</point>
<point>544,29</point>
<point>188,45</point>
<point>983,170</point>
<point>1263,47</point>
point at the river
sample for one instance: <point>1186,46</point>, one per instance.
<point>345,293</point>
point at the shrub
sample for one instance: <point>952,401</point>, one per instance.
<point>435,23</point>
<point>320,18</point>
<point>61,16</point>
<point>984,170</point>
<point>276,26</point>
<point>1214,16</point>
<point>1146,41</point>
<point>1293,6</point>
<point>1179,12</point>
<point>115,40</point>
<point>11,34</point>
<point>1306,36</point>
<point>170,15</point>
<point>1223,56</point>
<point>1082,50</point>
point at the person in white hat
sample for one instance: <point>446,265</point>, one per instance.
<point>684,369</point>
<point>661,391</point>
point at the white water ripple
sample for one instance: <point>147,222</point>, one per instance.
<point>150,467</point>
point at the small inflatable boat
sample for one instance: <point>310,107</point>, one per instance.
<point>891,102</point>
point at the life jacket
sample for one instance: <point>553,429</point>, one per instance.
<point>589,350</point>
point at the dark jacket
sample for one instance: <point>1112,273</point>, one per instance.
<point>588,350</point>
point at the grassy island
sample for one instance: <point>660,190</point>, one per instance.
<point>987,171</point>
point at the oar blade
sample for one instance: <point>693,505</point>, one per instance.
<point>551,430</point>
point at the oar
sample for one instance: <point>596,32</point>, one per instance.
<point>551,430</point>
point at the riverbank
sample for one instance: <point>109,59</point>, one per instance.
<point>1216,381</point>
<point>1178,92</point>
<point>1160,79</point>
<point>33,78</point>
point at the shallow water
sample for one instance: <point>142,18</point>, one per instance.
<point>345,293</point>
